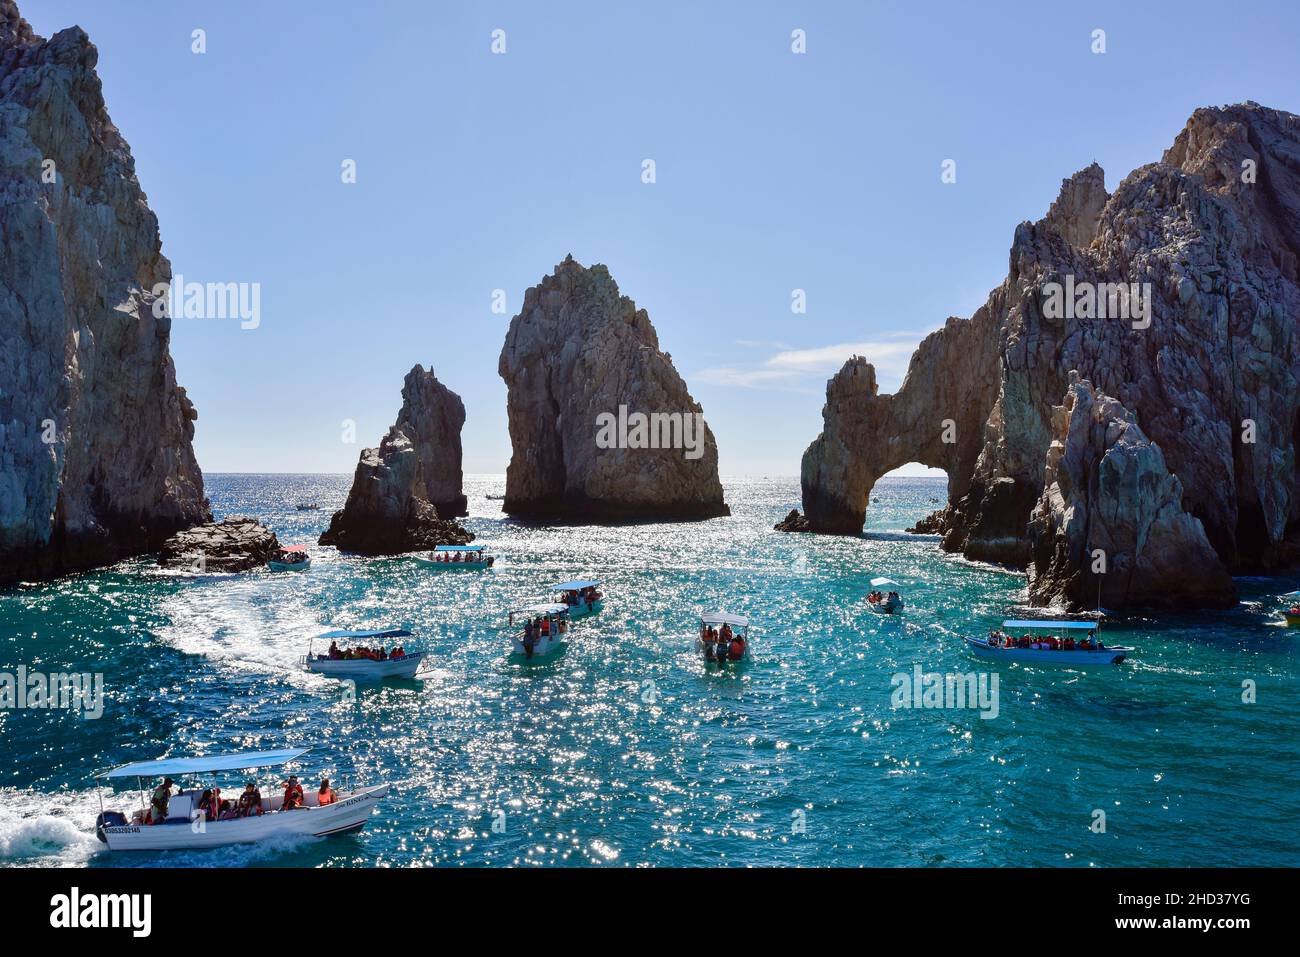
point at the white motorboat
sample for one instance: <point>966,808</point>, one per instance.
<point>1058,646</point>
<point>188,828</point>
<point>545,627</point>
<point>723,638</point>
<point>582,597</point>
<point>361,662</point>
<point>458,558</point>
<point>886,604</point>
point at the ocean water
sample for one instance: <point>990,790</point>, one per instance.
<point>626,751</point>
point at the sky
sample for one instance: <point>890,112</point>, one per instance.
<point>478,171</point>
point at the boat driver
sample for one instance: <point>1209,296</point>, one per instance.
<point>162,796</point>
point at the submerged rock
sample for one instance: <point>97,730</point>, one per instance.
<point>231,545</point>
<point>1110,528</point>
<point>794,522</point>
<point>1177,295</point>
<point>405,492</point>
<point>601,424</point>
<point>96,462</point>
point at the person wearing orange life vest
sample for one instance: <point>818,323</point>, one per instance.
<point>292,794</point>
<point>326,795</point>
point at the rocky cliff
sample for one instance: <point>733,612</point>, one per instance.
<point>405,492</point>
<point>1177,296</point>
<point>96,461</point>
<point>602,425</point>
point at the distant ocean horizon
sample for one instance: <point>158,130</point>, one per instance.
<point>626,750</point>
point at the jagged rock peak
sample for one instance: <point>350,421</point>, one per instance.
<point>1077,210</point>
<point>405,493</point>
<point>602,426</point>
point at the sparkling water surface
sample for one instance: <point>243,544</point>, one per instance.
<point>626,750</point>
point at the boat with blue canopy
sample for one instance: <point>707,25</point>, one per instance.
<point>186,821</point>
<point>359,660</point>
<point>882,603</point>
<point>1059,642</point>
<point>583,596</point>
<point>458,558</point>
<point>544,626</point>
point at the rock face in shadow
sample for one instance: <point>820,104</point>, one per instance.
<point>96,462</point>
<point>1110,528</point>
<point>583,368</point>
<point>405,492</point>
<point>231,545</point>
<point>1177,295</point>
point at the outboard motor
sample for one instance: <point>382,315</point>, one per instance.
<point>108,819</point>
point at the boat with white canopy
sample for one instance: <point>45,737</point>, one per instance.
<point>457,558</point>
<point>186,827</point>
<point>882,603</point>
<point>583,597</point>
<point>358,660</point>
<point>543,629</point>
<point>1059,643</point>
<point>723,638</point>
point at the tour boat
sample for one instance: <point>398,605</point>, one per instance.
<point>454,557</point>
<point>186,828</point>
<point>581,597</point>
<point>737,643</point>
<point>890,603</point>
<point>290,558</point>
<point>308,507</point>
<point>1292,614</point>
<point>363,669</point>
<point>556,617</point>
<point>1097,654</point>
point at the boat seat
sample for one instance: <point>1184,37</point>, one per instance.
<point>180,807</point>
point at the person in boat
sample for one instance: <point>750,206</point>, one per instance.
<point>398,652</point>
<point>530,638</point>
<point>160,801</point>
<point>250,802</point>
<point>334,652</point>
<point>292,794</point>
<point>208,807</point>
<point>736,649</point>
<point>710,644</point>
<point>326,794</point>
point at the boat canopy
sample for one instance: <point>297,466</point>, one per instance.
<point>545,608</point>
<point>213,762</point>
<point>389,633</point>
<point>293,548</point>
<point>574,586</point>
<point>723,618</point>
<point>459,548</point>
<point>1089,625</point>
<point>877,582</point>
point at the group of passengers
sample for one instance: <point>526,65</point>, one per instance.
<point>539,629</point>
<point>1000,639</point>
<point>581,596</point>
<point>362,653</point>
<point>721,644</point>
<point>452,558</point>
<point>214,807</point>
<point>877,597</point>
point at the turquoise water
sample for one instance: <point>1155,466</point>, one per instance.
<point>625,751</point>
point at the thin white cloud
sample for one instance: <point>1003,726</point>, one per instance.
<point>792,368</point>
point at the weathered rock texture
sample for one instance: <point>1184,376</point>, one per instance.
<point>1214,228</point>
<point>1110,528</point>
<point>579,349</point>
<point>96,461</point>
<point>794,522</point>
<point>231,545</point>
<point>405,492</point>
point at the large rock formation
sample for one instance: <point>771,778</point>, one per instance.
<point>96,461</point>
<point>232,545</point>
<point>1110,529</point>
<point>405,492</point>
<point>1205,353</point>
<point>583,367</point>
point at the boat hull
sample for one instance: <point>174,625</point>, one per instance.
<point>285,567</point>
<point>885,608</point>
<point>454,566</point>
<point>543,648</point>
<point>363,669</point>
<point>722,662</point>
<point>583,609</point>
<point>349,813</point>
<point>1292,621</point>
<point>1077,657</point>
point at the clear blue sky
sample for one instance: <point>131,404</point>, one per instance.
<point>479,171</point>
